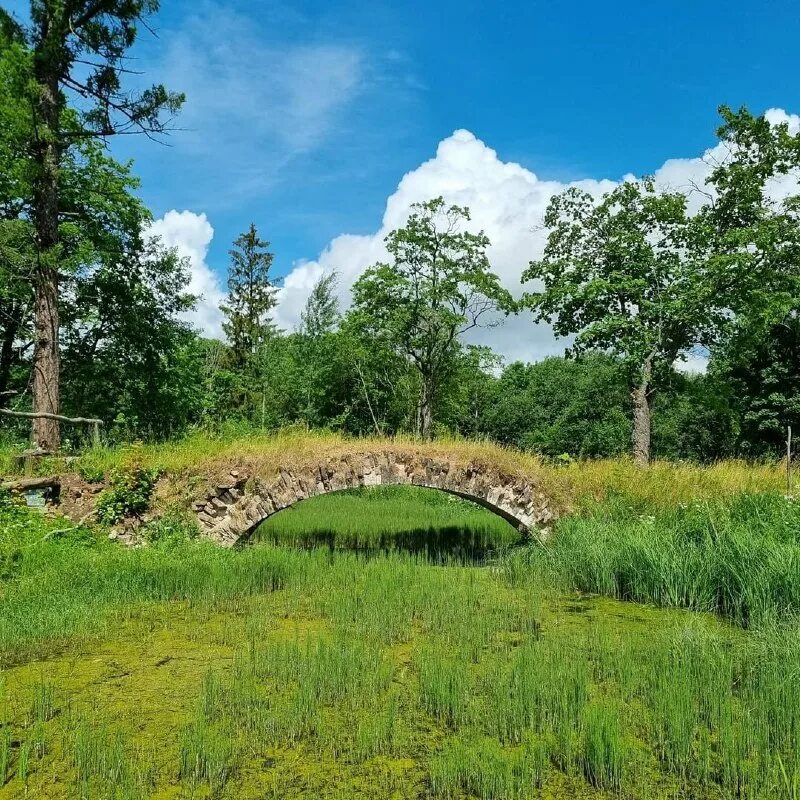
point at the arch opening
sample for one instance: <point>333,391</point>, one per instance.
<point>442,526</point>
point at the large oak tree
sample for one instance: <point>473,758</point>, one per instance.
<point>626,274</point>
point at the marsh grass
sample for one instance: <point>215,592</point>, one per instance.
<point>738,557</point>
<point>444,685</point>
<point>334,673</point>
<point>628,708</point>
<point>206,755</point>
<point>603,745</point>
<point>440,526</point>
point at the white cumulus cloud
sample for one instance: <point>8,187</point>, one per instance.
<point>191,234</point>
<point>505,199</point>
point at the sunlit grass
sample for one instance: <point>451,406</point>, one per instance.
<point>410,519</point>
<point>739,557</point>
<point>202,456</point>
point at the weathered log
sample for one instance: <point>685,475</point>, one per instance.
<point>31,484</point>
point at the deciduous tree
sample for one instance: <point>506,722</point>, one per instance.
<point>754,214</point>
<point>626,274</point>
<point>438,286</point>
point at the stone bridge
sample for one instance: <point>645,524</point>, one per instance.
<point>235,507</point>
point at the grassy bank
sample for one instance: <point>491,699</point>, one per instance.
<point>739,557</point>
<point>198,457</point>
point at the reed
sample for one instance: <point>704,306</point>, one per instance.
<point>738,557</point>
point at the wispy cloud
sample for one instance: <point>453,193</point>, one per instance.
<point>253,103</point>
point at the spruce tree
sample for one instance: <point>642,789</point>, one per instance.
<point>251,296</point>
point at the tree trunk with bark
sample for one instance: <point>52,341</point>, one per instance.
<point>641,396</point>
<point>426,409</point>
<point>46,152</point>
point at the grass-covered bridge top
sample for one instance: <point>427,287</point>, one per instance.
<point>234,483</point>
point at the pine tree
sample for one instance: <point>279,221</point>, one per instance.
<point>251,296</point>
<point>74,51</point>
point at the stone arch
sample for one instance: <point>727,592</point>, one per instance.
<point>233,509</point>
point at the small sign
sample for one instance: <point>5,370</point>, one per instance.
<point>35,498</point>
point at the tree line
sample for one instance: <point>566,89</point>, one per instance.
<point>91,305</point>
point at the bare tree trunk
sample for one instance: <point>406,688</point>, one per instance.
<point>46,360</point>
<point>426,409</point>
<point>641,395</point>
<point>366,397</point>
<point>46,355</point>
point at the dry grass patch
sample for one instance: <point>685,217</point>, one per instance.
<point>193,464</point>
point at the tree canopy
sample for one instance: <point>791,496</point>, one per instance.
<point>437,287</point>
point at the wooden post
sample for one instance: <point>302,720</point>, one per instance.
<point>96,434</point>
<point>789,461</point>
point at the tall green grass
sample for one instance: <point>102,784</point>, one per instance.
<point>53,587</point>
<point>405,518</point>
<point>739,557</point>
<point>336,673</point>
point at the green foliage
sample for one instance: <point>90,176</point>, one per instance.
<point>321,313</point>
<point>120,295</point>
<point>90,472</point>
<point>251,296</point>
<point>579,407</point>
<point>756,237</point>
<point>695,419</point>
<point>121,332</point>
<point>75,51</point>
<point>624,274</point>
<point>438,286</point>
<point>628,275</point>
<point>763,373</point>
<point>172,528</point>
<point>98,35</point>
<point>128,495</point>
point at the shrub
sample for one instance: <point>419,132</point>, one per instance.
<point>174,527</point>
<point>91,473</point>
<point>128,495</point>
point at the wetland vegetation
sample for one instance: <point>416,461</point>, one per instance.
<point>643,651</point>
<point>393,642</point>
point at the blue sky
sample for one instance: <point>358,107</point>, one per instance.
<point>568,90</point>
<point>303,116</point>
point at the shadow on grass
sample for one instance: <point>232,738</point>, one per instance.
<point>439,545</point>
